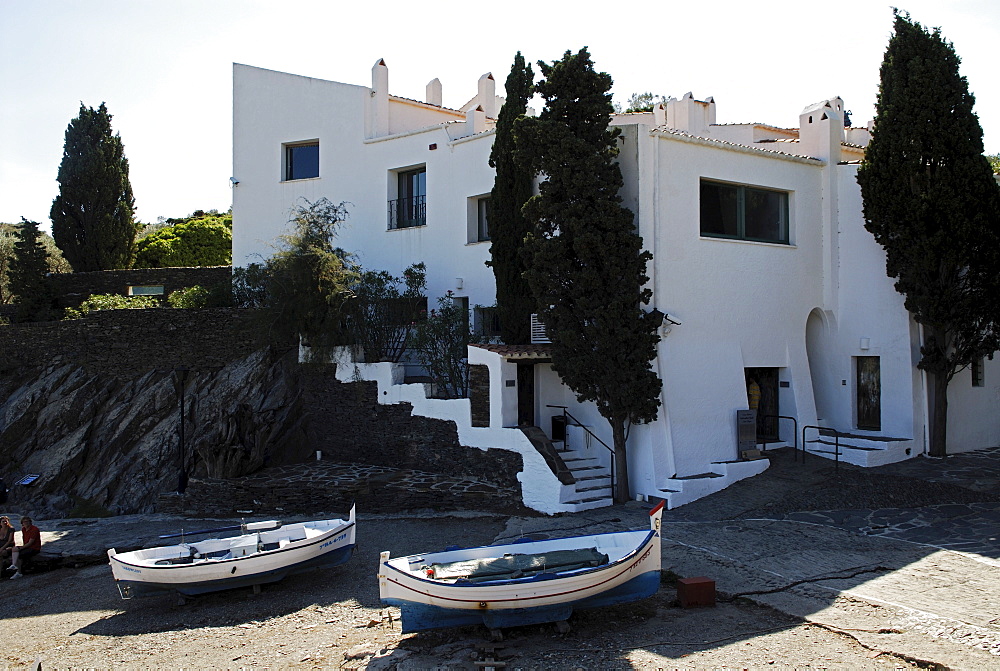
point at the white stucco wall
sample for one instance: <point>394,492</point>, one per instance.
<point>741,304</point>
<point>802,308</point>
<point>272,108</point>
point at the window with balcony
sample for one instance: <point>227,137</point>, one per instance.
<point>743,212</point>
<point>409,208</point>
<point>301,160</point>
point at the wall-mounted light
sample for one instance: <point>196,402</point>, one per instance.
<point>458,282</point>
<point>866,344</point>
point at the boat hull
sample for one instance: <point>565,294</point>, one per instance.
<point>134,588</point>
<point>429,603</point>
<point>421,616</point>
<point>250,560</point>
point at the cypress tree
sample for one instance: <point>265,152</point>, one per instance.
<point>931,201</point>
<point>92,217</point>
<point>508,228</point>
<point>588,268</point>
<point>28,274</point>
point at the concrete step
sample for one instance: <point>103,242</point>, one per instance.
<point>865,451</point>
<point>589,503</point>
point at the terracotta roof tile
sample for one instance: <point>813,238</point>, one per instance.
<point>518,351</point>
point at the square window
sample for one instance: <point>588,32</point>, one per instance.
<point>743,212</point>
<point>301,160</point>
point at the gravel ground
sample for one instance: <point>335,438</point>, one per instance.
<point>74,618</point>
<point>333,619</point>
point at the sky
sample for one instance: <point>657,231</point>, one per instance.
<point>164,68</point>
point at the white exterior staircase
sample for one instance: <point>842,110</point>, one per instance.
<point>593,481</point>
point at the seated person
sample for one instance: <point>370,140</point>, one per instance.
<point>6,538</point>
<point>31,545</point>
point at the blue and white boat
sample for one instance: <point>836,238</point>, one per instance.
<point>264,552</point>
<point>522,583</point>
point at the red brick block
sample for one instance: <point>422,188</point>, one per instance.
<point>696,592</point>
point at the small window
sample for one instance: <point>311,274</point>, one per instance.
<point>482,219</point>
<point>146,290</point>
<point>477,218</point>
<point>743,212</point>
<point>409,208</point>
<point>978,368</point>
<point>301,160</point>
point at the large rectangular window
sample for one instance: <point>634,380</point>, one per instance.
<point>409,209</point>
<point>301,160</point>
<point>743,212</point>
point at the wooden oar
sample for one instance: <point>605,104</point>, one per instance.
<point>253,526</point>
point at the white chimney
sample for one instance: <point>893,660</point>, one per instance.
<point>380,99</point>
<point>434,92</point>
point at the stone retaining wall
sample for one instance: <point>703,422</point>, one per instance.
<point>74,288</point>
<point>129,343</point>
<point>346,422</point>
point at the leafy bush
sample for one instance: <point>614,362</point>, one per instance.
<point>250,286</point>
<point>442,343</point>
<point>380,316</point>
<point>112,302</point>
<point>204,241</point>
<point>189,297</point>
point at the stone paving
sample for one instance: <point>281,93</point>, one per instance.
<point>963,527</point>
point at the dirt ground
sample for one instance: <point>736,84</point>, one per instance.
<point>333,619</point>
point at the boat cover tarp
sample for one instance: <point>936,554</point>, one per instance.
<point>511,566</point>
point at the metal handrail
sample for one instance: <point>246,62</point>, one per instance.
<point>795,433</point>
<point>836,443</point>
<point>568,416</point>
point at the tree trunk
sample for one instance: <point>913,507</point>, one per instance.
<point>622,494</point>
<point>939,415</point>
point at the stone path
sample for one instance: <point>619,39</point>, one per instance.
<point>963,527</point>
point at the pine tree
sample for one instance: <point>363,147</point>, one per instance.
<point>588,268</point>
<point>508,228</point>
<point>92,217</point>
<point>28,276</point>
<point>931,201</point>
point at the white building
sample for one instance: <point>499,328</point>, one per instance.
<point>760,260</point>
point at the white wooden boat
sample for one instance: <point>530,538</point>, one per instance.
<point>265,552</point>
<point>522,583</point>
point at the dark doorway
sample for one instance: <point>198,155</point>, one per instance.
<point>526,394</point>
<point>869,393</point>
<point>767,409</point>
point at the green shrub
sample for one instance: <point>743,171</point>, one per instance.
<point>112,302</point>
<point>189,297</point>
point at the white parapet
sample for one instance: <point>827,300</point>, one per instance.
<point>540,489</point>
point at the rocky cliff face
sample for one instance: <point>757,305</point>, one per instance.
<point>115,441</point>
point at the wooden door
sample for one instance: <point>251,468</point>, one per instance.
<point>869,398</point>
<point>526,394</point>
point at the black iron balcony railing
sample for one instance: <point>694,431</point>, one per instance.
<point>408,212</point>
